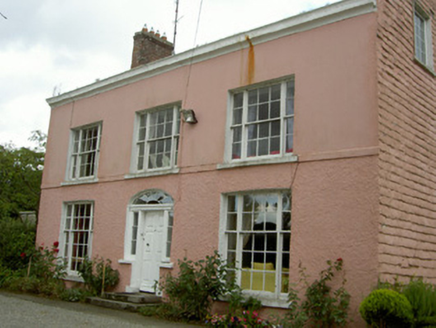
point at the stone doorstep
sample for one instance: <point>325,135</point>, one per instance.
<point>125,301</point>
<point>138,298</point>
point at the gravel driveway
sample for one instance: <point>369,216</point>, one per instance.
<point>22,310</point>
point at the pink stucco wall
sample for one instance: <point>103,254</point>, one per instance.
<point>334,184</point>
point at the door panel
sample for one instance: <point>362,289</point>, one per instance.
<point>151,249</point>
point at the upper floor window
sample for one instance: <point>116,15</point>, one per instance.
<point>423,38</point>
<point>157,139</point>
<point>262,121</point>
<point>84,152</point>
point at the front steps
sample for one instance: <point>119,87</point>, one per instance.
<point>125,301</point>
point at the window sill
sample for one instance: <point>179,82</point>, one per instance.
<point>269,301</point>
<point>167,265</point>
<point>152,173</point>
<point>74,278</point>
<point>123,261</point>
<point>426,67</point>
<point>79,182</point>
<point>258,161</point>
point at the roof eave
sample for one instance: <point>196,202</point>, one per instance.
<point>295,24</point>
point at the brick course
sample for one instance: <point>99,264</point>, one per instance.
<point>407,140</point>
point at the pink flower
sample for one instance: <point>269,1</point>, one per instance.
<point>56,244</point>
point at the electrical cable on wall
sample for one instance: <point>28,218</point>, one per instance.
<point>192,54</point>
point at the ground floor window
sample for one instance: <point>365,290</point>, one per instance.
<point>256,235</point>
<point>76,236</point>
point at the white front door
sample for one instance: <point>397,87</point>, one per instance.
<point>152,245</point>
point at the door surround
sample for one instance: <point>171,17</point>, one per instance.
<point>154,203</point>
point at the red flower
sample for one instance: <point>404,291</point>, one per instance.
<point>339,259</point>
<point>56,250</point>
<point>56,244</point>
<point>23,255</point>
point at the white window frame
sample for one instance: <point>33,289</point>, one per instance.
<point>66,245</point>
<point>75,154</point>
<point>141,167</point>
<point>278,297</point>
<point>423,37</point>
<point>283,153</point>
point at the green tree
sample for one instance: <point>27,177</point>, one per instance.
<point>20,176</point>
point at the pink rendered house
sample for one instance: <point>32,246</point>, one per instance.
<point>315,140</point>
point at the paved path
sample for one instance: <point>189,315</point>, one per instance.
<point>23,310</point>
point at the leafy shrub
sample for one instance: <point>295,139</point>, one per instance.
<point>239,303</point>
<point>322,306</point>
<point>190,294</point>
<point>386,308</point>
<point>422,297</point>
<point>17,240</point>
<point>245,319</point>
<point>95,272</point>
<point>41,275</point>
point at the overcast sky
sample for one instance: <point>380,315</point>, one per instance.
<point>52,46</point>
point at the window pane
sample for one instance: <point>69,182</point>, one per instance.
<point>231,221</point>
<point>231,241</point>
<point>252,132</point>
<point>263,95</point>
<point>252,97</point>
<point>238,99</point>
<point>248,203</point>
<point>275,146</point>
<point>252,113</point>
<point>263,112</point>
<point>289,135</point>
<point>247,222</point>
<point>251,148</point>
<point>237,116</point>
<point>290,89</point>
<point>275,92</point>
<point>275,109</point>
<point>264,130</point>
<point>232,204</point>
<point>263,147</point>
<point>236,151</point>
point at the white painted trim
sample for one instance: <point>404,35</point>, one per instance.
<point>305,21</point>
<point>167,265</point>
<point>259,161</point>
<point>123,261</point>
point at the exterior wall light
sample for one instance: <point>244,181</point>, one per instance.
<point>188,116</point>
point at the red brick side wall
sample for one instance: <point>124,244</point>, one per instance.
<point>407,140</point>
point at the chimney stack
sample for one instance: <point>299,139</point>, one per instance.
<point>149,46</point>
